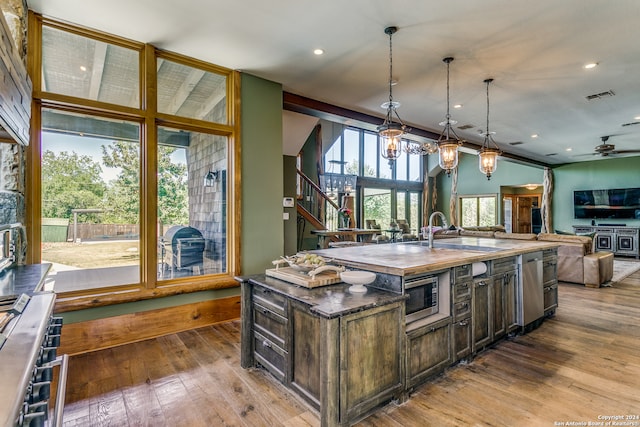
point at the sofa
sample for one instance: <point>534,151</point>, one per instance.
<point>577,260</point>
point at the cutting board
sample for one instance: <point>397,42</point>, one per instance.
<point>290,275</point>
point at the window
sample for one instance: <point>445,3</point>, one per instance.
<point>382,196</point>
<point>89,68</point>
<point>478,211</point>
<point>377,206</point>
<point>90,168</point>
<point>130,195</point>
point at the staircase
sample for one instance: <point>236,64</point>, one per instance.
<point>314,206</point>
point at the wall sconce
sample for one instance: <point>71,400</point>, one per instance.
<point>211,178</point>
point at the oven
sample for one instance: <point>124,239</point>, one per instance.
<point>422,298</point>
<point>29,337</point>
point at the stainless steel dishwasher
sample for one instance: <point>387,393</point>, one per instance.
<point>531,289</point>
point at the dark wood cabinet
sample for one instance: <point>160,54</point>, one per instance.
<point>482,313</point>
<point>462,289</point>
<point>345,358</point>
<point>622,241</point>
<point>428,351</point>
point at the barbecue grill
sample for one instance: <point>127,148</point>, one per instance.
<point>182,247</point>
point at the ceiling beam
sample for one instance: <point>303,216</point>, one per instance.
<point>322,110</point>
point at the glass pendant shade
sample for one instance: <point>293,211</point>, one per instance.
<point>488,161</point>
<point>448,155</point>
<point>448,142</point>
<point>489,152</point>
<point>390,132</point>
<point>390,140</point>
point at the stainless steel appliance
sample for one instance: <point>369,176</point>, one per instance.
<point>530,289</point>
<point>182,247</point>
<point>423,297</point>
<point>29,337</point>
<point>7,247</point>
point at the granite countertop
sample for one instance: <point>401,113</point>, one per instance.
<point>328,301</point>
<point>402,259</point>
<point>23,279</point>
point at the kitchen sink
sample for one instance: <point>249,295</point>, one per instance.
<point>459,246</point>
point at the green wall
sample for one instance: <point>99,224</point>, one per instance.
<point>262,174</point>
<point>593,175</point>
<point>473,182</point>
<point>290,225</point>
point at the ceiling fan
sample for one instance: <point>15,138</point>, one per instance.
<point>605,149</point>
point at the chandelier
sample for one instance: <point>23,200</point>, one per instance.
<point>420,148</point>
<point>448,142</point>
<point>389,131</point>
<point>489,152</point>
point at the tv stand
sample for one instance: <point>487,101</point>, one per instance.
<point>622,241</point>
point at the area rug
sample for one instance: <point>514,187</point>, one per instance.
<point>623,269</point>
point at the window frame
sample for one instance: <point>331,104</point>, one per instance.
<point>150,120</point>
<point>477,197</point>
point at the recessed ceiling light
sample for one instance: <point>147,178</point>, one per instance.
<point>569,149</point>
<point>636,118</point>
<point>318,51</point>
<point>457,106</point>
<point>535,135</point>
<point>83,68</point>
<point>590,65</point>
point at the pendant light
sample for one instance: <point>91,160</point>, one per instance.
<point>390,133</point>
<point>489,152</point>
<point>448,142</point>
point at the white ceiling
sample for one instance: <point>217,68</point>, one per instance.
<point>535,51</point>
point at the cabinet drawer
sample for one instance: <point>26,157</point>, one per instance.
<point>461,310</point>
<point>461,291</point>
<point>270,324</point>
<point>549,271</point>
<point>549,254</point>
<point>550,297</point>
<point>272,300</point>
<point>270,356</point>
<point>503,265</point>
<point>462,272</point>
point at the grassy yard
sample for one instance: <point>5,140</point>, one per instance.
<point>92,255</point>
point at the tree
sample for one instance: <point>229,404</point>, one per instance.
<point>123,199</point>
<point>70,181</point>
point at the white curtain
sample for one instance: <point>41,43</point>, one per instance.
<point>545,208</point>
<point>453,201</point>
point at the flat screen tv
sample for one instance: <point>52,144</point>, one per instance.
<point>622,203</point>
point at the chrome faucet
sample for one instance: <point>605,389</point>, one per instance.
<point>444,224</point>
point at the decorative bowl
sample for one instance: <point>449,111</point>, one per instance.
<point>357,279</point>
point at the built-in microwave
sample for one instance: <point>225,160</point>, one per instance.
<point>423,297</point>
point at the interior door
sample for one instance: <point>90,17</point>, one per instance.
<point>523,222</point>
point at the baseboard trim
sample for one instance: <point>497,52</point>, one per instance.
<point>92,335</point>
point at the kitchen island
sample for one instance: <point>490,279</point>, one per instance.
<point>347,354</point>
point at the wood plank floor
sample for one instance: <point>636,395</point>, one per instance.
<point>582,364</point>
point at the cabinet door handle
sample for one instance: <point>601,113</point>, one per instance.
<point>463,323</point>
<point>266,343</point>
<point>482,283</point>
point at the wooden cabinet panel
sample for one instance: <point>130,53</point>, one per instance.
<point>428,351</point>
<point>306,351</point>
<point>499,327</point>
<point>481,313</point>
<point>510,292</point>
<point>461,341</point>
<point>370,369</point>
